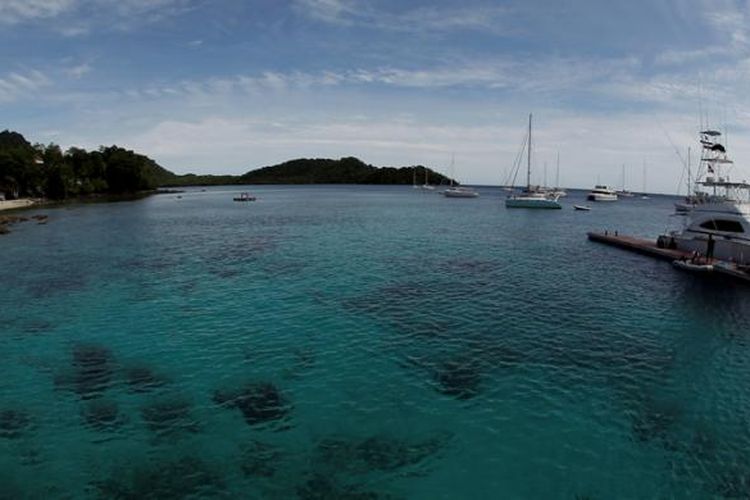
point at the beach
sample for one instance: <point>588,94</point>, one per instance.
<point>13,204</point>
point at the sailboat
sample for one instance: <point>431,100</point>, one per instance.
<point>427,186</point>
<point>414,178</point>
<point>458,191</point>
<point>558,191</point>
<point>532,196</point>
<point>624,193</point>
<point>645,195</point>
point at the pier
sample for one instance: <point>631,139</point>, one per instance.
<point>645,247</point>
<point>648,247</point>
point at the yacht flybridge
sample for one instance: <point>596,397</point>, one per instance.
<point>531,196</point>
<point>602,193</point>
<point>717,224</point>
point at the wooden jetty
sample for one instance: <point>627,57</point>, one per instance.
<point>650,248</point>
<point>646,247</point>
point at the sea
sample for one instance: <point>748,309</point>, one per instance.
<point>363,342</point>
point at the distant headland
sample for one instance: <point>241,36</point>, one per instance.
<point>45,171</point>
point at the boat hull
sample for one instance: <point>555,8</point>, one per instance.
<point>532,203</point>
<point>601,197</point>
<point>728,250</point>
<point>459,194</point>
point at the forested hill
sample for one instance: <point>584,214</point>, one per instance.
<point>344,171</point>
<point>40,170</point>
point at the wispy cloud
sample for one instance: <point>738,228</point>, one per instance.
<point>18,85</point>
<point>420,19</point>
<point>80,17</point>
<point>78,71</point>
<point>15,11</point>
<point>552,75</point>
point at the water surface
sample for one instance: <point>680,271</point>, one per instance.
<point>342,341</point>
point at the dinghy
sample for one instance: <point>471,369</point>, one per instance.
<point>694,266</point>
<point>582,207</point>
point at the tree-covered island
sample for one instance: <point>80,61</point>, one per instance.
<point>46,171</point>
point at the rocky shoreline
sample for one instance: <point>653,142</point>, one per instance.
<point>9,220</point>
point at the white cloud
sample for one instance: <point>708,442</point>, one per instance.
<point>78,71</point>
<point>421,19</point>
<point>590,145</point>
<point>80,17</point>
<point>15,11</point>
<point>730,21</point>
<point>15,86</point>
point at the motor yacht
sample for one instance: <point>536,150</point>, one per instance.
<point>602,193</point>
<point>717,222</point>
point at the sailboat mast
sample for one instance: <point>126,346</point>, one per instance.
<point>528,158</point>
<point>688,161</point>
<point>557,174</point>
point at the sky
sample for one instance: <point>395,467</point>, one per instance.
<point>226,86</point>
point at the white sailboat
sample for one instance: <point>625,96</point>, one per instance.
<point>645,195</point>
<point>458,191</point>
<point>532,196</point>
<point>624,193</point>
<point>427,186</point>
<point>558,191</point>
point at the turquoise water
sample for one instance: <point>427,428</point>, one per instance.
<point>364,342</point>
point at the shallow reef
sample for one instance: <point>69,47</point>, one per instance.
<point>13,423</point>
<point>375,453</point>
<point>260,460</point>
<point>143,379</point>
<point>170,416</point>
<point>652,420</point>
<point>183,478</point>
<point>460,378</point>
<point>92,372</point>
<point>323,487</point>
<point>259,402</point>
<point>101,414</point>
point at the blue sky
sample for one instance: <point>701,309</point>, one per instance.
<point>223,86</point>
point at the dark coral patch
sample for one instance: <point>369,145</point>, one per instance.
<point>101,414</point>
<point>170,416</point>
<point>458,378</point>
<point>259,402</point>
<point>184,478</point>
<point>93,370</point>
<point>322,487</point>
<point>259,459</point>
<point>653,421</point>
<point>379,453</point>
<point>143,379</point>
<point>13,423</point>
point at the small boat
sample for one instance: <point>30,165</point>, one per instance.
<point>694,266</point>
<point>582,207</point>
<point>460,192</point>
<point>244,197</point>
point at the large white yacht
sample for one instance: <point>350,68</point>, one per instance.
<point>602,193</point>
<point>531,196</point>
<point>717,223</point>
